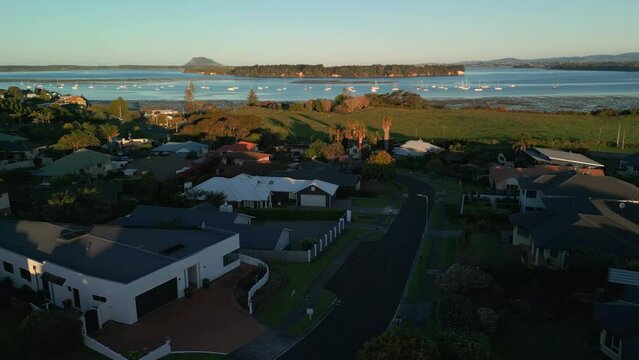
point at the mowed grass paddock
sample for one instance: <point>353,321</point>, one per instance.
<point>471,124</point>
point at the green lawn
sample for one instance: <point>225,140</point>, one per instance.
<point>480,125</point>
<point>300,276</point>
<point>323,302</point>
<point>373,202</point>
<point>365,218</point>
<point>193,356</point>
<point>484,248</point>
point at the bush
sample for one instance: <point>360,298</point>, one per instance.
<point>458,313</point>
<point>307,243</point>
<point>487,321</point>
<point>461,278</point>
<point>394,345</point>
<point>511,276</point>
<point>464,346</point>
<point>52,334</point>
<point>206,283</point>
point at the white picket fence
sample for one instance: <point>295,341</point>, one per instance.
<point>258,285</point>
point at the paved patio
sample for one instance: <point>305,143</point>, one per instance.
<point>209,321</point>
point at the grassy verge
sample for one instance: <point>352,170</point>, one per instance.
<point>365,218</point>
<point>323,302</point>
<point>300,277</point>
<point>417,287</point>
<point>193,356</point>
<point>484,248</point>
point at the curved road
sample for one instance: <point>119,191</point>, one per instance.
<point>370,284</point>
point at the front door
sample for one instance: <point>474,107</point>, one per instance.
<point>192,275</point>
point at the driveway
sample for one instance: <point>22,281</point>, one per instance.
<point>209,321</point>
<point>304,229</point>
<point>370,285</point>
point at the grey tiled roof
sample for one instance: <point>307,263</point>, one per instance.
<point>560,157</point>
<point>578,185</point>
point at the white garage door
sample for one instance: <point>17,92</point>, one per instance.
<point>313,200</point>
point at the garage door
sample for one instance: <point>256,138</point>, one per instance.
<point>156,297</point>
<point>313,200</point>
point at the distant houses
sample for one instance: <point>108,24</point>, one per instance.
<point>182,149</point>
<point>506,178</point>
<point>330,173</point>
<point>73,99</point>
<point>83,161</point>
<point>265,191</point>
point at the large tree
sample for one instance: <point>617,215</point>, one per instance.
<point>77,139</point>
<point>357,131</point>
<point>118,107</point>
<point>252,99</point>
<point>333,151</point>
<point>379,166</point>
<point>109,132</point>
<point>386,126</point>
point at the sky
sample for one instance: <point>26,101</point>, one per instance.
<point>330,32</point>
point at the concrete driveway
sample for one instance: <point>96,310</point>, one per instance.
<point>209,321</point>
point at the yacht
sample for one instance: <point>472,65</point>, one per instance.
<point>203,87</point>
<point>260,88</point>
<point>556,86</point>
<point>484,86</point>
<point>91,86</point>
<point>464,86</point>
<point>328,88</point>
<point>351,89</point>
<point>233,88</point>
<point>375,87</point>
<point>74,87</point>
<point>512,86</point>
<point>395,88</point>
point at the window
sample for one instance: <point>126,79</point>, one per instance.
<point>531,194</point>
<point>612,342</point>
<point>7,267</point>
<point>25,274</point>
<point>99,298</point>
<point>231,257</point>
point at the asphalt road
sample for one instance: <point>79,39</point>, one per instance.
<point>369,284</point>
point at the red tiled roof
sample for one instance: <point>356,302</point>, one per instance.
<point>239,146</point>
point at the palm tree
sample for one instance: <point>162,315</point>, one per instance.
<point>521,145</point>
<point>336,133</point>
<point>216,198</point>
<point>357,130</point>
<point>386,126</point>
<point>109,131</point>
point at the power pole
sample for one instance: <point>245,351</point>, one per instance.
<point>618,133</point>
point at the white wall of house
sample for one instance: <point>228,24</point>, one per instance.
<point>5,204</point>
<point>120,302</point>
<point>531,199</point>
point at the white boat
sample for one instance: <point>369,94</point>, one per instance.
<point>556,86</point>
<point>310,87</point>
<point>266,87</point>
<point>284,88</point>
<point>75,87</point>
<point>498,88</point>
<point>260,88</point>
<point>464,86</point>
<point>204,87</point>
<point>91,86</point>
<point>478,89</point>
<point>328,88</point>
<point>511,85</point>
<point>351,89</point>
<point>425,90</point>
<point>484,86</point>
<point>169,85</point>
<point>234,88</point>
<point>395,88</point>
<point>157,87</point>
<point>375,87</point>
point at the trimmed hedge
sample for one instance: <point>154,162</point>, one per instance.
<point>295,214</point>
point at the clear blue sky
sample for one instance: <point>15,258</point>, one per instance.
<point>241,32</point>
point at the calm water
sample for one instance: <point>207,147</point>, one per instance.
<point>169,85</point>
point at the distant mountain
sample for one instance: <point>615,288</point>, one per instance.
<point>199,62</point>
<point>627,57</point>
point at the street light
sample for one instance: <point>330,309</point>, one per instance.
<point>427,204</point>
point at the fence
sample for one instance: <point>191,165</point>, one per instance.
<point>258,285</point>
<point>102,349</point>
<point>323,242</point>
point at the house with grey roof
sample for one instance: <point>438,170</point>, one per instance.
<point>252,237</point>
<point>325,172</point>
<point>566,212</point>
<point>81,162</point>
<point>619,319</point>
<point>182,149</point>
<point>114,272</point>
<point>544,156</point>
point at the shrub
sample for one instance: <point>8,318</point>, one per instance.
<point>52,334</point>
<point>308,243</point>
<point>461,278</point>
<point>487,321</point>
<point>464,346</point>
<point>458,313</point>
<point>394,345</point>
<point>206,283</point>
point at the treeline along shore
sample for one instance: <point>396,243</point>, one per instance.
<point>602,66</point>
<point>321,71</point>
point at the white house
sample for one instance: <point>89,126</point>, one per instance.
<point>181,148</point>
<point>416,148</point>
<point>263,191</point>
<point>114,272</point>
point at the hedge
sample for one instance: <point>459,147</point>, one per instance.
<point>295,214</point>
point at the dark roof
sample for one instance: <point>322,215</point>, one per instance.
<point>320,171</point>
<point>161,167</point>
<point>17,146</point>
<point>116,253</point>
<point>632,159</point>
<point>73,162</point>
<point>569,223</point>
<point>620,317</point>
<point>251,237</point>
<point>559,157</point>
<point>578,185</point>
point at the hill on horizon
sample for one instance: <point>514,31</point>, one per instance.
<point>627,57</point>
<point>202,62</point>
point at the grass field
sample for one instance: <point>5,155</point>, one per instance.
<point>300,276</point>
<point>469,124</point>
<point>323,302</point>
